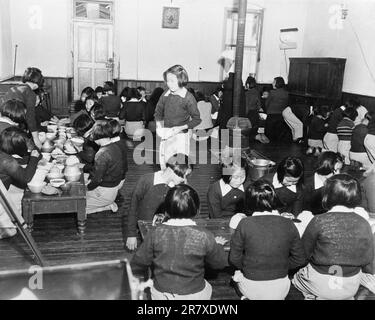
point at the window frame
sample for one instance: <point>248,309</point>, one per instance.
<point>81,19</point>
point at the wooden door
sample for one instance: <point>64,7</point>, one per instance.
<point>93,55</point>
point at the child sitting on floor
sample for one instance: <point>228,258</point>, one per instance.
<point>149,193</point>
<point>107,173</point>
<point>178,250</point>
<point>317,130</point>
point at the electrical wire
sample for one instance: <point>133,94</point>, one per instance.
<point>362,51</point>
<point>286,62</point>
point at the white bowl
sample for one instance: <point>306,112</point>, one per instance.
<point>37,187</point>
<point>50,135</point>
<point>78,142</point>
<point>57,183</point>
<point>47,156</point>
<point>55,176</point>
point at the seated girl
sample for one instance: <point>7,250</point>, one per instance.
<point>83,126</point>
<point>90,102</point>
<point>80,104</point>
<point>329,164</point>
<point>149,193</point>
<point>317,130</point>
<point>345,132</point>
<point>13,145</point>
<point>107,172</point>
<point>97,112</point>
<point>226,196</point>
<point>339,242</point>
<point>12,114</point>
<point>178,250</point>
<point>265,247</point>
<point>122,144</point>
<point>288,183</point>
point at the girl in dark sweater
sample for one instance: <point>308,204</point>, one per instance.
<point>226,196</point>
<point>265,247</point>
<point>178,250</point>
<point>107,173</point>
<point>13,145</point>
<point>338,244</point>
<point>331,140</point>
<point>317,130</point>
<point>148,196</point>
<point>12,114</point>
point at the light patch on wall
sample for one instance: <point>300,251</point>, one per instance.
<point>35,17</point>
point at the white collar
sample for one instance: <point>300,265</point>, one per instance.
<point>318,182</point>
<point>7,120</point>
<point>277,185</point>
<point>226,188</point>
<point>180,222</point>
<point>266,213</point>
<point>16,156</point>
<point>117,139</point>
<point>216,97</point>
<point>182,93</point>
<point>88,133</point>
<point>342,108</point>
<point>134,100</point>
<point>357,210</point>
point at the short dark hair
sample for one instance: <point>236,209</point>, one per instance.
<point>327,161</point>
<point>155,95</point>
<point>116,128</point>
<point>83,124</point>
<point>101,129</point>
<point>92,96</point>
<point>98,112</point>
<point>180,164</point>
<point>341,190</point>
<point>290,166</point>
<point>199,96</point>
<point>231,167</point>
<point>182,202</point>
<point>15,110</point>
<point>251,82</point>
<point>261,196</point>
<point>87,91</point>
<point>279,82</point>
<point>323,110</point>
<point>350,112</point>
<point>13,140</point>
<point>33,75</point>
<point>133,93</point>
<point>218,89</point>
<point>125,92</point>
<point>181,74</point>
<point>141,88</point>
<point>99,90</point>
<point>109,86</point>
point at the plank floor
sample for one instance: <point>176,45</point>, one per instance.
<point>59,243</point>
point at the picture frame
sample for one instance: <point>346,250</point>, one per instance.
<point>171,18</point>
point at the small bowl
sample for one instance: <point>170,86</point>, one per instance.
<point>78,142</point>
<point>55,176</point>
<point>73,178</point>
<point>262,162</point>
<point>61,159</point>
<point>66,187</point>
<point>36,188</point>
<point>47,149</point>
<point>57,183</point>
<point>47,156</point>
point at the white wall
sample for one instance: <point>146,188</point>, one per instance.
<point>328,37</point>
<point>6,60</point>
<point>41,30</point>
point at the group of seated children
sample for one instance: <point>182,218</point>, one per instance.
<point>286,229</point>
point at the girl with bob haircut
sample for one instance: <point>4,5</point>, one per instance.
<point>13,113</point>
<point>329,164</point>
<point>226,196</point>
<point>176,114</point>
<point>176,257</point>
<point>80,104</point>
<point>107,172</point>
<point>14,176</point>
<point>264,247</point>
<point>149,194</point>
<point>341,238</point>
<point>25,92</point>
<point>288,183</point>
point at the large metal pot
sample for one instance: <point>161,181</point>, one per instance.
<point>260,168</point>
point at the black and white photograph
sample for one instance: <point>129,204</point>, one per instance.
<point>216,151</point>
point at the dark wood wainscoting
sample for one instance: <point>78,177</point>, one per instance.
<point>206,87</point>
<point>366,101</point>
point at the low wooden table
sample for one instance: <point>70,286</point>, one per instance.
<point>219,227</point>
<point>72,201</point>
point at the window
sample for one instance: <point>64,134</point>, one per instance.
<point>93,10</point>
<point>252,40</point>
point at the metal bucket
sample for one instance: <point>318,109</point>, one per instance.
<point>260,167</point>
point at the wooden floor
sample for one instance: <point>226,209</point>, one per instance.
<point>60,244</point>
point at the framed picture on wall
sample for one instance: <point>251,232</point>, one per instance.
<point>171,18</point>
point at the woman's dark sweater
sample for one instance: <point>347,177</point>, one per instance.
<point>124,155</point>
<point>147,200</point>
<point>178,255</point>
<point>266,247</point>
<point>277,101</point>
<point>111,105</point>
<point>108,168</point>
<point>133,111</point>
<point>87,155</point>
<point>252,100</point>
<point>335,118</point>
<point>220,206</point>
<point>11,171</point>
<point>339,239</point>
<point>358,138</point>
<point>317,128</point>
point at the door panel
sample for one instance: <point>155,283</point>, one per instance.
<point>93,48</point>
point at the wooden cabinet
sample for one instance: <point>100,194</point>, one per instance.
<point>316,78</point>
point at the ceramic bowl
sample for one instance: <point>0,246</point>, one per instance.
<point>73,177</point>
<point>57,183</point>
<point>36,187</point>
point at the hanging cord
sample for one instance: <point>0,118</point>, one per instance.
<point>362,52</point>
